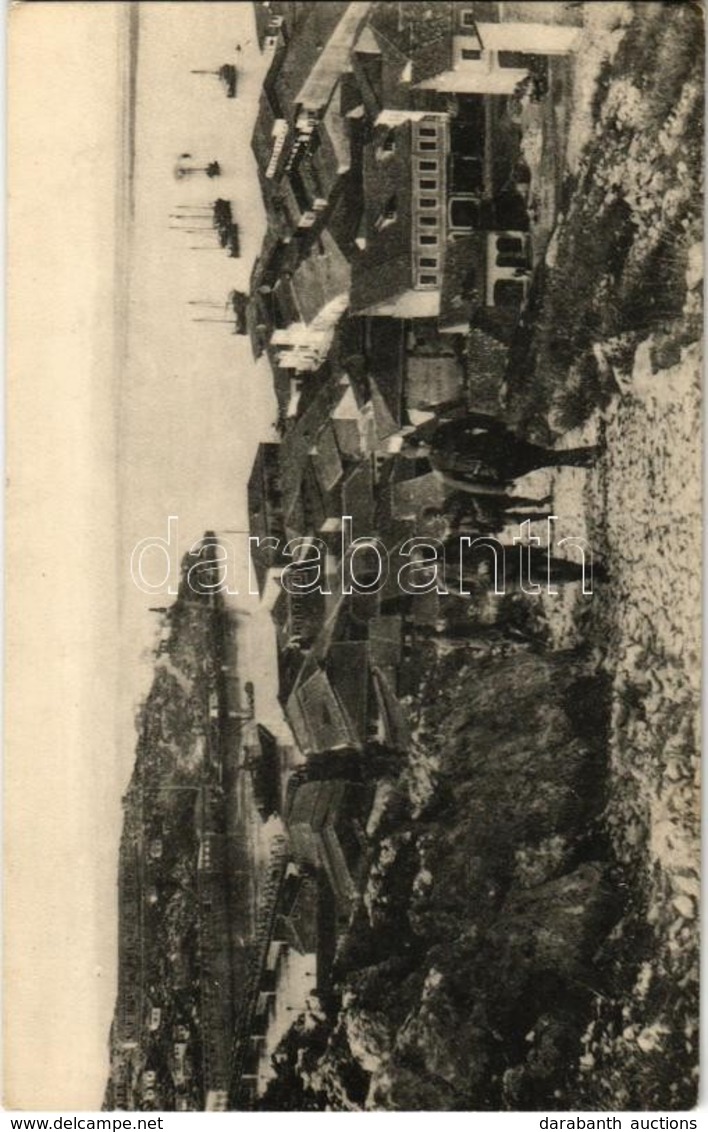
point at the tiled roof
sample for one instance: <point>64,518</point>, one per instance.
<point>349,93</point>
<point>432,59</point>
<point>384,269</point>
<point>261,141</point>
<point>345,215</point>
<point>431,380</point>
<point>385,362</point>
<point>304,49</point>
<point>337,869</point>
<point>318,170</point>
<point>333,58</point>
<point>299,439</point>
<point>286,309</point>
<point>270,262</point>
<point>327,459</point>
<point>383,72</point>
<point>314,499</point>
<point>303,843</point>
<point>348,671</point>
<point>300,919</point>
<point>358,499</point>
<point>334,136</point>
<point>326,725</point>
<point>322,276</point>
<point>385,424</point>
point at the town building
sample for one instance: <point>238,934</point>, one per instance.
<point>297,915</point>
<point>325,822</point>
<point>265,513</point>
<point>409,265</point>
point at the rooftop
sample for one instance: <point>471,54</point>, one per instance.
<point>421,32</point>
<point>321,276</point>
<point>384,269</point>
<point>304,48</point>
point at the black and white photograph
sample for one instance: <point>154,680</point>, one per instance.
<point>354,557</point>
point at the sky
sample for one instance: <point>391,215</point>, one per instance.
<point>193,402</point>
<point>104,444</point>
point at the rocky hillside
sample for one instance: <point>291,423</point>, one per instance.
<point>468,973</point>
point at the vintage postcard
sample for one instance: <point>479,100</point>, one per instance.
<point>354,524</point>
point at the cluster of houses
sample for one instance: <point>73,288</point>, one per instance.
<point>391,278</point>
<point>390,281</point>
<point>392,275</point>
<point>390,170</point>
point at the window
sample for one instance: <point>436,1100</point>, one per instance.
<point>428,166</point>
<point>509,245</point>
<point>471,53</point>
<point>516,59</point>
<point>510,252</point>
<point>388,213</point>
<point>428,280</point>
<point>387,145</point>
<point>427,239</point>
<point>428,261</point>
<point>428,145</point>
<point>428,183</point>
<point>508,293</point>
<point>467,18</point>
<point>428,221</point>
<point>511,261</point>
<point>428,202</point>
<point>427,132</point>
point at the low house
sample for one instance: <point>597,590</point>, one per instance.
<point>320,294</point>
<point>265,513</point>
<point>465,46</point>
<point>345,421</point>
<point>297,918</point>
<point>317,715</point>
<point>325,822</point>
<point>490,48</point>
